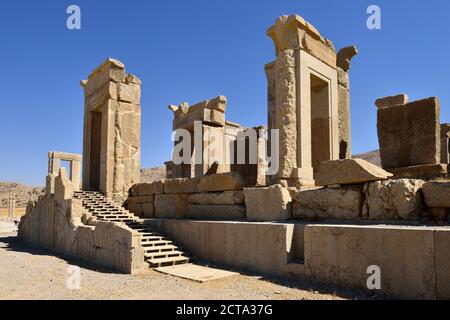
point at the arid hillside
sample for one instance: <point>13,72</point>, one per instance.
<point>23,193</point>
<point>372,157</point>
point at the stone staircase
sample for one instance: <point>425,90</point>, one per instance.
<point>159,251</point>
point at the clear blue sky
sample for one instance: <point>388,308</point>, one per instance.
<point>193,50</point>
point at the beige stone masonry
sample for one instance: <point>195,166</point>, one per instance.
<point>268,204</point>
<point>386,102</point>
<point>215,212</point>
<point>221,182</point>
<point>112,125</point>
<point>409,135</point>
<point>341,204</point>
<point>437,194</point>
<point>349,171</point>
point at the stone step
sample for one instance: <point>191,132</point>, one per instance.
<point>160,248</point>
<point>163,254</point>
<point>164,262</point>
<point>158,243</point>
<point>151,237</point>
<point>113,216</point>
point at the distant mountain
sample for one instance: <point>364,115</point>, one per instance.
<point>23,193</point>
<point>153,174</point>
<point>372,157</point>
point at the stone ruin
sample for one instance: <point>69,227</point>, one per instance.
<point>322,215</point>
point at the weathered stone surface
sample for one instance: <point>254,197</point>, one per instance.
<point>171,205</point>
<point>442,263</point>
<point>227,197</point>
<point>393,199</point>
<point>135,208</point>
<point>147,189</point>
<point>409,135</point>
<point>292,32</point>
<point>387,102</point>
<point>215,212</point>
<point>220,182</point>
<point>55,222</point>
<point>421,171</point>
<point>342,254</point>
<point>345,56</point>
<point>349,171</point>
<point>437,194</point>
<point>258,247</point>
<point>268,204</point>
<point>112,125</point>
<point>286,112</point>
<point>345,150</point>
<point>181,185</point>
<point>342,203</point>
<point>148,210</point>
<point>445,130</point>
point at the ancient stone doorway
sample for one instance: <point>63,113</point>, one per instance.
<point>320,121</point>
<point>95,151</point>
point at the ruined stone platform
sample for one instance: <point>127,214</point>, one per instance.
<point>413,259</point>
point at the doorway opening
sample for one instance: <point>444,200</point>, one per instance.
<point>95,151</point>
<point>320,121</point>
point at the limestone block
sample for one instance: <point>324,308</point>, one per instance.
<point>50,184</point>
<point>341,255</point>
<point>445,130</point>
<point>409,135</point>
<point>141,199</point>
<point>268,204</point>
<point>148,210</point>
<point>437,194</point>
<point>110,70</point>
<point>349,171</point>
<point>227,197</point>
<point>344,116</point>
<point>220,182</point>
<point>286,114</point>
<point>442,264</point>
<point>181,185</point>
<point>387,102</point>
<point>320,50</point>
<point>393,199</point>
<point>421,171</point>
<point>171,205</point>
<point>135,208</point>
<point>124,93</point>
<point>146,189</point>
<point>344,57</point>
<point>342,203</point>
<point>215,212</point>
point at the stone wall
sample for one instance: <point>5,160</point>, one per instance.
<point>218,196</point>
<point>413,261</point>
<point>225,197</point>
<point>55,222</point>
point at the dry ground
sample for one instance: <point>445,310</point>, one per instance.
<point>27,272</point>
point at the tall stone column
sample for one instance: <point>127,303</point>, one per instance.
<point>344,57</point>
<point>286,112</point>
<point>12,206</point>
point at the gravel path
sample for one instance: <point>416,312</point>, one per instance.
<point>27,272</point>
